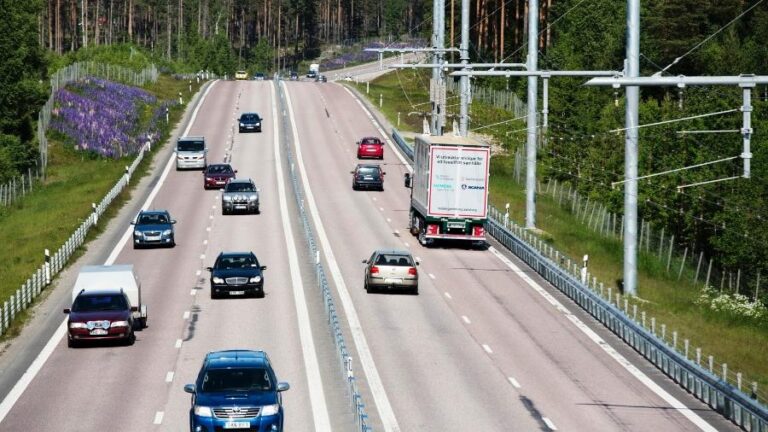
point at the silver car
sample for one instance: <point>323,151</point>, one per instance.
<point>240,195</point>
<point>391,269</point>
<point>191,153</point>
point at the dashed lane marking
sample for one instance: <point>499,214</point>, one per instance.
<point>514,382</point>
<point>177,345</point>
<point>466,319</point>
<point>549,423</point>
<point>431,276</point>
<point>487,349</point>
<point>186,315</point>
<point>193,292</point>
<point>169,377</point>
<point>159,418</point>
<point>447,294</point>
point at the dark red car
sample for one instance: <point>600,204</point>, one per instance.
<point>370,147</point>
<point>100,315</point>
<point>218,175</point>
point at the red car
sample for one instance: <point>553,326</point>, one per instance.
<point>218,175</point>
<point>370,147</point>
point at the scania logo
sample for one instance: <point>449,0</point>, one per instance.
<point>471,187</point>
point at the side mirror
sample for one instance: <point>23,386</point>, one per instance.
<point>133,222</point>
<point>209,268</point>
<point>173,221</point>
<point>407,180</point>
<point>418,262</point>
<point>134,309</point>
<point>67,310</point>
<point>283,386</point>
<point>351,172</point>
<point>263,267</point>
<point>235,170</point>
<point>365,261</point>
<point>189,388</point>
<point>383,172</point>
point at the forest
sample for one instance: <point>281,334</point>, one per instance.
<point>684,37</point>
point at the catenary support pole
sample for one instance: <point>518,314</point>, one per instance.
<point>464,80</point>
<point>631,148</point>
<point>440,90</point>
<point>435,70</point>
<point>532,65</point>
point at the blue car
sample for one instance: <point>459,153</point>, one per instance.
<point>236,389</point>
<point>153,228</point>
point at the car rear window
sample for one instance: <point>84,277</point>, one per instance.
<point>394,260</point>
<point>87,303</point>
<point>240,187</point>
<point>219,169</point>
<point>190,146</point>
<point>368,171</point>
<point>370,141</point>
<point>236,262</point>
<point>240,379</point>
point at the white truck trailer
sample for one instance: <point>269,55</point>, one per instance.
<point>449,188</point>
<point>113,277</point>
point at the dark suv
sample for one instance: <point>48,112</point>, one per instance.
<point>368,177</point>
<point>250,122</point>
<point>153,228</point>
<point>237,274</point>
<point>236,389</point>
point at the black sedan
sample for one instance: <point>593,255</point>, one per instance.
<point>237,274</point>
<point>368,177</point>
<point>249,122</point>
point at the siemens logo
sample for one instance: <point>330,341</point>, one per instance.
<point>441,186</point>
<point>470,187</point>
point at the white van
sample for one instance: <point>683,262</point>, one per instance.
<point>191,153</point>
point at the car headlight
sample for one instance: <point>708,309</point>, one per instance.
<point>242,124</point>
<point>258,123</point>
<point>217,280</point>
<point>256,279</point>
<point>253,198</point>
<point>226,197</point>
<point>270,410</point>
<point>138,234</point>
<point>77,325</point>
<point>119,324</point>
<point>203,411</point>
<point>167,232</point>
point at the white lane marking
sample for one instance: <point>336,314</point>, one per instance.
<point>159,417</point>
<point>431,276</point>
<point>386,413</point>
<point>381,208</point>
<point>549,423</point>
<point>374,198</point>
<point>193,291</point>
<point>389,220</point>
<point>316,392</point>
<point>37,364</point>
<point>186,315</point>
<point>514,382</point>
<point>205,242</point>
<point>208,229</point>
<point>447,294</point>
<point>381,131</point>
<point>198,273</point>
<point>202,257</point>
<point>210,217</point>
<point>169,377</point>
<point>397,231</point>
<point>487,349</point>
<point>406,244</point>
<point>632,369</point>
<point>177,345</point>
<point>466,319</point>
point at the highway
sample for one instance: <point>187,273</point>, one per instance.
<point>480,348</point>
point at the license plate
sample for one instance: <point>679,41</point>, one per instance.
<point>368,178</point>
<point>237,292</point>
<point>220,182</point>
<point>153,238</point>
<point>237,425</point>
<point>241,207</point>
<point>393,281</point>
<point>98,332</point>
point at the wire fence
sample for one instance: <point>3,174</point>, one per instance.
<point>53,264</point>
<point>679,259</point>
<point>345,359</point>
<point>77,71</point>
<point>17,187</point>
<point>501,99</point>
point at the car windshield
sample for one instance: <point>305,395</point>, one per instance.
<point>368,171</point>
<point>95,303</point>
<point>370,141</point>
<point>394,260</point>
<point>219,169</point>
<point>236,262</point>
<point>240,379</point>
<point>249,117</point>
<point>240,187</point>
<point>153,219</point>
<point>195,146</point>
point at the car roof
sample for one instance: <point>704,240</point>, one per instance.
<point>236,253</point>
<point>230,358</point>
<point>368,166</point>
<point>392,252</point>
<point>152,212</point>
<point>249,114</point>
<point>219,164</point>
<point>370,137</point>
<point>241,180</point>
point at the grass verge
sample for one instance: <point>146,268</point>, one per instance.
<point>47,217</point>
<point>740,342</point>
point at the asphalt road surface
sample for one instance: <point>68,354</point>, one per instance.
<point>485,346</point>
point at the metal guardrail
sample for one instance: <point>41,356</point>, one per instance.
<point>345,360</point>
<point>42,277</point>
<point>706,386</point>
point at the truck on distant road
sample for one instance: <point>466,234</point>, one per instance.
<point>106,305</point>
<point>314,70</point>
<point>449,188</point>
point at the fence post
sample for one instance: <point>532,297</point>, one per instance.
<point>47,267</point>
<point>698,267</point>
<point>669,256</point>
<point>95,214</point>
<point>709,272</point>
<point>682,263</point>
